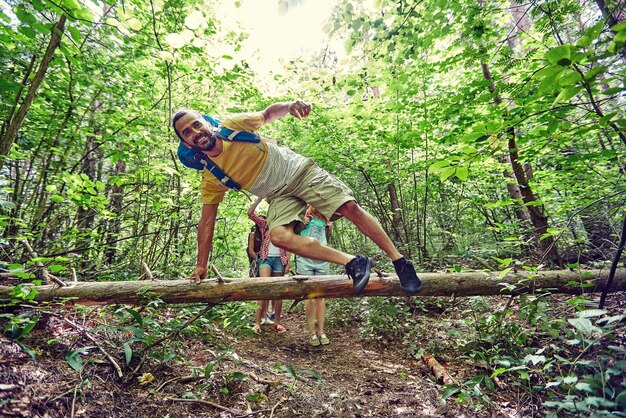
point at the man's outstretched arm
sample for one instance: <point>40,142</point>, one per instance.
<point>298,109</point>
<point>206,227</point>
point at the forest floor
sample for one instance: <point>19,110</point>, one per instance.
<point>266,375</point>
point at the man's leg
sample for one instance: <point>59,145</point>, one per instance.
<point>358,267</point>
<point>370,227</point>
<point>284,237</point>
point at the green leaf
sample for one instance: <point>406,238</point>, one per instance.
<point>611,91</point>
<point>570,380</point>
<point>619,27</point>
<point>582,386</point>
<point>208,369</point>
<point>55,268</point>
<point>136,315</point>
<point>567,94</point>
<point>498,372</point>
<point>74,359</point>
<point>289,370</point>
<point>504,273</point>
<point>75,33</point>
<point>449,390</point>
<point>128,352</point>
<point>446,172</point>
<point>462,173</point>
<point>438,166</point>
<point>560,55</point>
<point>583,325</point>
<point>26,349</point>
<point>311,373</point>
<point>591,74</point>
<point>590,313</point>
<point>620,37</point>
<point>569,78</point>
<point>28,32</point>
<point>583,41</point>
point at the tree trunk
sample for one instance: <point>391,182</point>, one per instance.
<point>614,14</point>
<point>114,225</point>
<point>602,240</point>
<point>6,142</point>
<point>537,217</point>
<point>248,289</point>
<point>396,214</point>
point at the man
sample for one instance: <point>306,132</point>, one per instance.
<point>289,182</point>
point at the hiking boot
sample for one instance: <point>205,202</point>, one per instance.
<point>358,269</point>
<point>409,282</point>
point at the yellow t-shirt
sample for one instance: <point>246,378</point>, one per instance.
<point>239,160</point>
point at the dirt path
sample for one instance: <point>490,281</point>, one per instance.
<point>355,378</point>
<point>267,375</point>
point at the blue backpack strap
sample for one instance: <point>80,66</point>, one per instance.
<point>220,174</point>
<point>198,161</point>
<point>230,134</point>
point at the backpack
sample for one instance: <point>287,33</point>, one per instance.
<point>258,238</point>
<point>255,240</point>
<point>198,160</point>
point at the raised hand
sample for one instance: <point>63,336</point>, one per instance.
<point>299,109</point>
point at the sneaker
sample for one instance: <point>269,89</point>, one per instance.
<point>256,329</point>
<point>324,339</point>
<point>271,316</point>
<point>314,341</point>
<point>267,321</point>
<point>409,282</point>
<point>358,269</point>
<point>279,328</point>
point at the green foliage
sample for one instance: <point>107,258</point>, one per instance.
<point>574,362</point>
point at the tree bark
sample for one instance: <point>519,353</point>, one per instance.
<point>249,289</point>
<point>13,128</point>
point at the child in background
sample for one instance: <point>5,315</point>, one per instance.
<point>272,261</point>
<point>316,227</point>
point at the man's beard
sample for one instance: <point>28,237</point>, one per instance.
<point>207,145</point>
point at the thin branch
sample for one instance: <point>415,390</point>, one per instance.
<point>93,340</point>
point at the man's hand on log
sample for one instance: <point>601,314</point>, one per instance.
<point>198,274</point>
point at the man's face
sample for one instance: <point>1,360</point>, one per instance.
<point>196,132</point>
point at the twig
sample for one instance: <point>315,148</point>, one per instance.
<point>251,413</point>
<point>93,340</point>
<point>275,406</point>
<point>46,275</point>
<point>181,379</point>
<point>440,373</point>
<point>220,278</point>
<point>146,271</point>
<point>202,401</point>
<point>74,401</point>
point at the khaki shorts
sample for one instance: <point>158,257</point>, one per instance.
<point>309,185</point>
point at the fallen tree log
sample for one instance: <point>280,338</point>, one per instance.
<point>303,287</point>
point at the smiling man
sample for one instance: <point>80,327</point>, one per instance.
<point>289,182</point>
